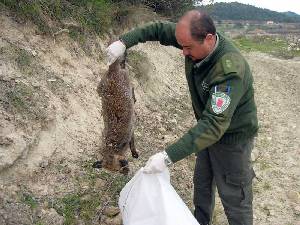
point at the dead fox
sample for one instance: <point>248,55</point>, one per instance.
<point>118,99</point>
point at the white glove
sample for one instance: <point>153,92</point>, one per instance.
<point>114,51</point>
<point>157,163</point>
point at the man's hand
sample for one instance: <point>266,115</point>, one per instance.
<point>114,51</point>
<point>157,163</point>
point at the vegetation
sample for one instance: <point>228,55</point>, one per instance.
<point>49,16</point>
<point>140,65</point>
<point>23,100</point>
<point>23,59</point>
<point>87,204</point>
<point>29,200</point>
<point>171,8</point>
<point>275,46</point>
<point>238,11</point>
<point>90,15</point>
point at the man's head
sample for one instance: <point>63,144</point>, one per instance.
<point>196,33</point>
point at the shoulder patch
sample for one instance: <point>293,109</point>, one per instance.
<point>232,63</point>
<point>220,102</point>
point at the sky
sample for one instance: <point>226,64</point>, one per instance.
<point>274,5</point>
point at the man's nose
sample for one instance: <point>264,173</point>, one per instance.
<point>185,52</point>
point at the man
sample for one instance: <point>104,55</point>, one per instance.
<point>220,84</point>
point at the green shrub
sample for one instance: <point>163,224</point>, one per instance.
<point>92,15</point>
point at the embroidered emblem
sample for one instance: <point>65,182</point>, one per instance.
<point>228,63</point>
<point>219,102</point>
<point>205,86</point>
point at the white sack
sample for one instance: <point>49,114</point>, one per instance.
<point>150,199</point>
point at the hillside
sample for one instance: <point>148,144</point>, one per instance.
<point>239,11</point>
<point>51,128</point>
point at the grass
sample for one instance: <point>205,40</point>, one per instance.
<point>96,16</point>
<point>264,165</point>
<point>92,15</point>
<point>24,100</point>
<point>39,223</point>
<point>267,186</point>
<point>275,46</point>
<point>19,96</point>
<point>140,64</point>
<point>29,200</point>
<point>86,204</point>
<point>23,58</point>
<point>68,207</point>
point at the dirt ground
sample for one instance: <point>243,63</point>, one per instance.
<point>50,121</point>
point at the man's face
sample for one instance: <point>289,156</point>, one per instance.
<point>191,48</point>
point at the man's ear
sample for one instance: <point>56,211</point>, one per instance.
<point>209,36</point>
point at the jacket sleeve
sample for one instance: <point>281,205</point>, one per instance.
<point>223,100</point>
<point>164,32</point>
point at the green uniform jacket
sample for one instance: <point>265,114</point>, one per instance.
<point>221,91</point>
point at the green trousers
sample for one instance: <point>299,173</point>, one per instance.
<point>227,167</point>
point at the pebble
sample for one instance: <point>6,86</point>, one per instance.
<point>111,211</point>
<point>297,210</point>
<point>99,184</point>
<point>5,141</point>
<point>294,196</point>
<point>113,221</point>
<point>51,217</point>
<point>162,129</point>
<point>44,163</point>
<point>297,222</point>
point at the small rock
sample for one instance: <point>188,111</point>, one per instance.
<point>162,129</point>
<point>71,24</point>
<point>272,212</point>
<point>293,196</point>
<point>297,210</point>
<point>277,78</point>
<point>169,138</point>
<point>99,184</point>
<point>158,118</point>
<point>5,141</point>
<point>13,190</point>
<point>173,121</point>
<point>36,84</point>
<point>44,164</point>
<point>113,221</point>
<point>84,186</point>
<point>33,52</point>
<point>80,222</point>
<point>254,154</point>
<point>111,211</point>
<point>51,80</point>
<point>51,217</point>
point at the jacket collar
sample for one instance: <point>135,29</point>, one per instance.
<point>207,58</point>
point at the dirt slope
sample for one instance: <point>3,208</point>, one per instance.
<point>50,129</point>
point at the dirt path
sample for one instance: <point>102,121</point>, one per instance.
<point>277,166</point>
<point>277,152</point>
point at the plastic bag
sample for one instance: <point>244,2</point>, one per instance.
<point>150,199</point>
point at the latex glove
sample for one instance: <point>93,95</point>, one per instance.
<point>114,51</point>
<point>157,163</point>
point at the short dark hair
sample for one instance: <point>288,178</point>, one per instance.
<point>202,25</point>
